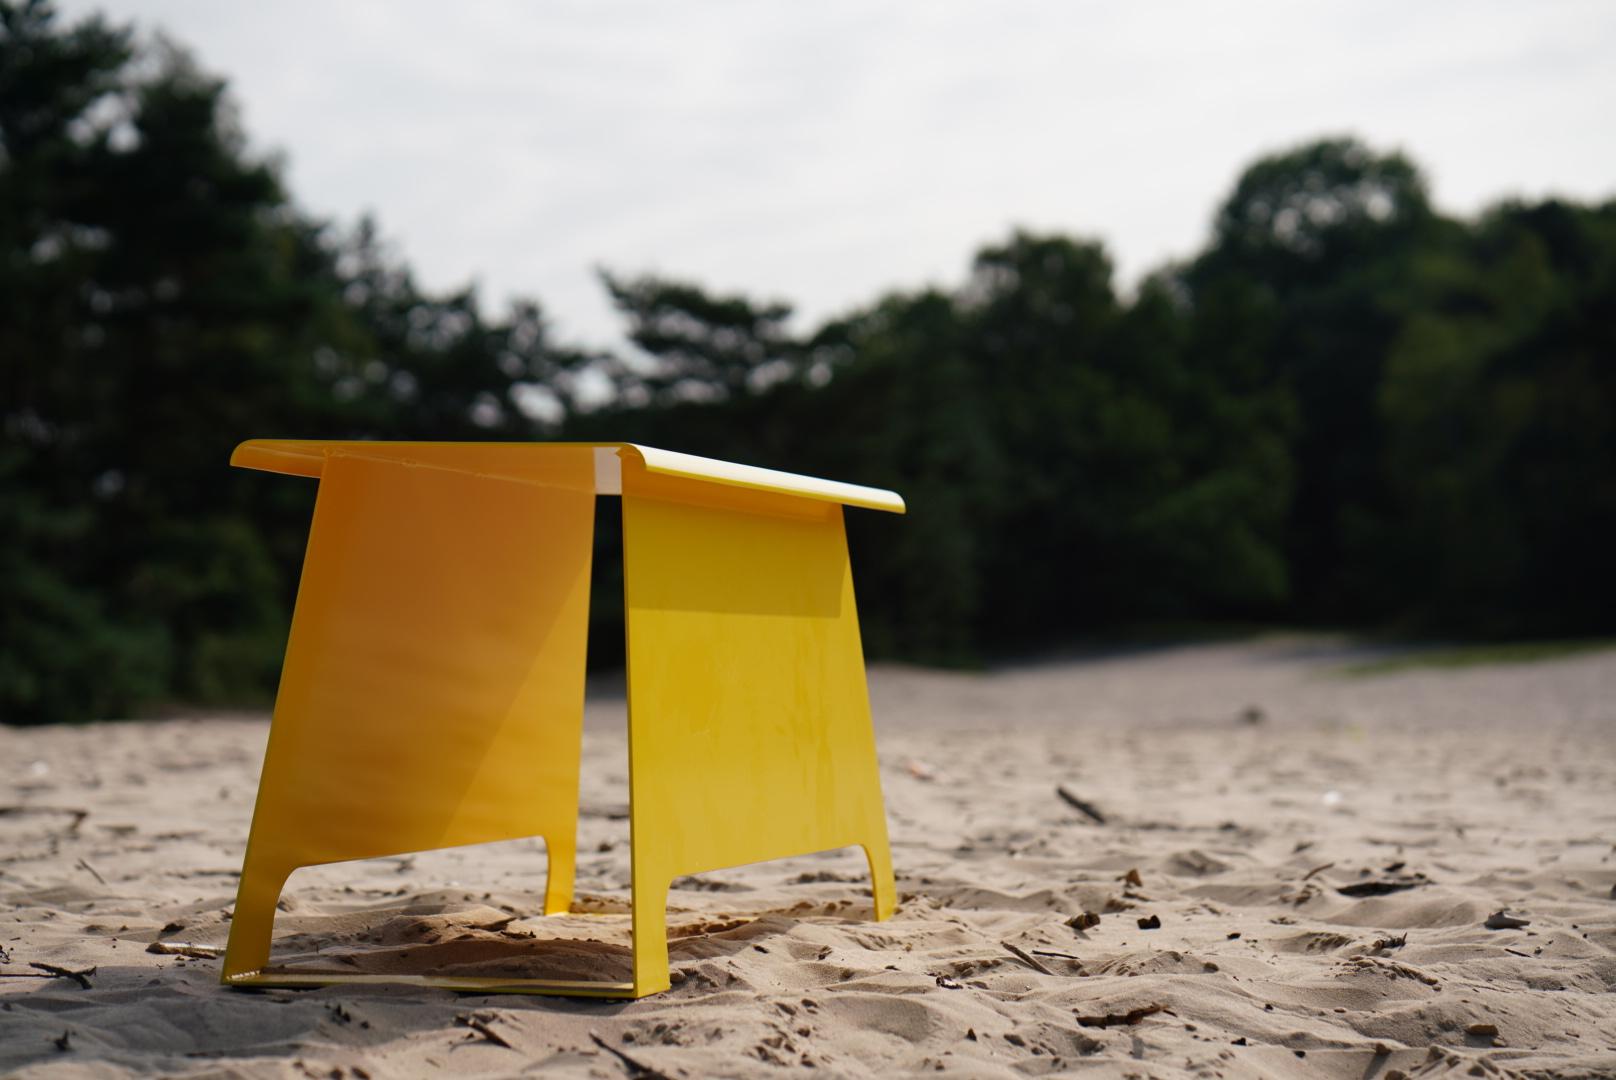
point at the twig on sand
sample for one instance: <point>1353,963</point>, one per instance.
<point>480,1026</point>
<point>1132,1016</point>
<point>1082,806</point>
<point>1380,888</point>
<point>1317,870</point>
<point>184,948</point>
<point>52,971</point>
<point>84,865</point>
<point>635,1068</point>
<point>79,814</point>
<point>1061,955</point>
<point>1026,958</point>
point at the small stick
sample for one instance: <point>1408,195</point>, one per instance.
<point>1082,806</point>
<point>1132,1016</point>
<point>185,948</point>
<point>1317,870</point>
<point>482,1028</point>
<point>83,865</point>
<point>1025,958</point>
<point>635,1068</point>
<point>1052,952</point>
<point>78,813</point>
<point>80,977</point>
<point>1517,952</point>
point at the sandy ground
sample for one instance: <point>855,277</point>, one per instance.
<point>1322,853</point>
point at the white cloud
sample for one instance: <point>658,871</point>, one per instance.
<point>825,152</point>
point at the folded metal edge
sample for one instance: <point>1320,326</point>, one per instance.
<point>692,467</point>
<point>307,458</point>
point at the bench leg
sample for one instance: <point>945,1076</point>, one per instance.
<point>883,892</point>
<point>252,923</point>
<point>650,936</point>
<point>561,852</point>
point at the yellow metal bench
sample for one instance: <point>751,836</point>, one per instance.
<point>432,692</point>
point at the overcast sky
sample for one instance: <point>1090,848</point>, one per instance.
<point>823,152</point>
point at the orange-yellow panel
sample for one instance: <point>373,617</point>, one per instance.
<point>432,692</point>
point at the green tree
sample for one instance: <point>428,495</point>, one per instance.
<point>700,347</point>
<point>903,408</point>
<point>1500,405</point>
<point>1141,483</point>
<point>161,299</point>
<point>1305,283</point>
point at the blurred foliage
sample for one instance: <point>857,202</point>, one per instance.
<point>159,298</point>
<point>1348,409</point>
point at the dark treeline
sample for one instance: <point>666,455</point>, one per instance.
<point>1349,409</point>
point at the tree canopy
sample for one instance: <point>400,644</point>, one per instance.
<point>1348,409</point>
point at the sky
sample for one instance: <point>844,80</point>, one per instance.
<point>825,152</point>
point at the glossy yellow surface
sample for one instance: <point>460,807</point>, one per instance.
<point>432,692</point>
<point>520,461</point>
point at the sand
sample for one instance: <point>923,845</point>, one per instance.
<point>1321,851</point>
